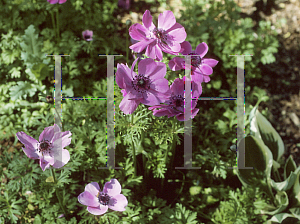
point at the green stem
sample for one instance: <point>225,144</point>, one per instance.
<point>57,23</point>
<point>133,150</point>
<point>53,23</point>
<point>58,196</point>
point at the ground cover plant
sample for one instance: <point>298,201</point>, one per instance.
<point>52,174</point>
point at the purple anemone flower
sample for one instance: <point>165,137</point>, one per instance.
<point>56,1</point>
<point>47,149</point>
<point>148,87</point>
<point>99,201</point>
<point>174,106</point>
<point>137,55</point>
<point>166,37</point>
<point>201,67</point>
<point>87,35</point>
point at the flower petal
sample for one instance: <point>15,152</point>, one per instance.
<point>177,87</point>
<point>86,198</point>
<point>146,66</point>
<point>112,188</point>
<point>209,61</point>
<point>101,209</point>
<point>31,153</point>
<point>166,20</point>
<point>150,98</point>
<point>147,19</point>
<point>201,49</point>
<point>138,32</point>
<point>140,46</point>
<point>177,32</point>
<point>186,48</point>
<point>160,85</point>
<point>159,72</point>
<point>153,51</point>
<point>48,133</point>
<point>27,140</point>
<point>118,203</point>
<point>129,106</point>
<point>93,188</point>
<point>206,69</point>
<point>45,163</point>
<point>172,47</point>
<point>61,160</point>
<point>176,63</point>
<point>123,74</point>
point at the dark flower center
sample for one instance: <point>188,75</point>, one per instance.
<point>160,34</point>
<point>45,146</point>
<point>195,60</point>
<point>87,36</point>
<point>177,100</point>
<point>141,83</point>
<point>103,198</point>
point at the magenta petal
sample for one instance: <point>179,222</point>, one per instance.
<point>160,85</point>
<point>27,140</point>
<point>176,64</point>
<point>140,46</point>
<point>206,78</point>
<point>197,76</point>
<point>209,61</point>
<point>186,48</point>
<point>153,51</point>
<point>206,69</point>
<point>161,112</point>
<point>150,98</point>
<point>177,32</point>
<point>118,203</point>
<point>159,72</point>
<point>98,210</point>
<point>62,1</point>
<point>52,1</point>
<point>166,20</point>
<point>138,32</point>
<point>128,106</point>
<point>87,199</point>
<point>146,66</point>
<point>93,188</point>
<point>147,19</point>
<point>177,87</point>
<point>61,160</point>
<point>112,188</point>
<point>201,49</point>
<point>123,74</point>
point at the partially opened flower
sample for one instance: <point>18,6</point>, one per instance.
<point>201,68</point>
<point>99,201</point>
<point>174,106</point>
<point>56,1</point>
<point>148,87</point>
<point>124,4</point>
<point>48,149</point>
<point>166,37</point>
<point>87,35</point>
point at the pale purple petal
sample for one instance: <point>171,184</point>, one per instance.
<point>206,69</point>
<point>197,75</point>
<point>118,203</point>
<point>62,159</point>
<point>45,163</point>
<point>27,140</point>
<point>177,87</point>
<point>101,209</point>
<point>209,61</point>
<point>186,48</point>
<point>47,134</point>
<point>112,188</point>
<point>177,32</point>
<point>129,106</point>
<point>93,188</point>
<point>153,51</point>
<point>31,153</point>
<point>201,49</point>
<point>166,20</point>
<point>86,198</point>
<point>173,48</point>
